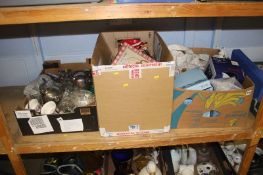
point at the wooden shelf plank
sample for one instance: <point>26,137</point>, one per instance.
<point>93,141</point>
<point>10,97</point>
<point>107,10</point>
<point>2,149</point>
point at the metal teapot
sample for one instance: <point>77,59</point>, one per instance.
<point>51,93</point>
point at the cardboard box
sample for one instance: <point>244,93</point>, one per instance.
<point>136,98</point>
<point>206,109</point>
<point>84,119</point>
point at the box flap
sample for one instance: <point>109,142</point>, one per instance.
<point>144,102</point>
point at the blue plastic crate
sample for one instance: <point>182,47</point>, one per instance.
<point>251,70</point>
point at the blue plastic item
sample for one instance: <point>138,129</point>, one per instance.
<point>251,70</point>
<point>151,1</point>
<point>122,155</point>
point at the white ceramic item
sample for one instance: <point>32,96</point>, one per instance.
<point>176,157</point>
<point>33,104</point>
<point>186,169</point>
<point>189,156</point>
<point>236,168</point>
<point>150,169</point>
<point>205,168</point>
<point>230,146</point>
<point>49,108</point>
<point>192,156</point>
<point>237,158</point>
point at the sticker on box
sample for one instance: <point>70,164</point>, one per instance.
<point>70,125</point>
<point>40,124</point>
<point>135,73</point>
<point>97,70</point>
<point>134,128</point>
<point>248,92</point>
<point>23,114</point>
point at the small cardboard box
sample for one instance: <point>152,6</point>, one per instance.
<point>206,109</point>
<point>135,98</point>
<point>83,119</point>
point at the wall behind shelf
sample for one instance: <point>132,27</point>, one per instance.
<point>23,48</point>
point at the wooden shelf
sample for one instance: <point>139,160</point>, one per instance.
<point>13,96</point>
<point>2,149</point>
<point>106,10</point>
<point>93,141</point>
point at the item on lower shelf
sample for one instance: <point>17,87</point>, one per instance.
<point>232,153</point>
<point>150,168</point>
<point>50,165</point>
<point>205,168</point>
<point>226,166</point>
<point>74,164</point>
<point>256,166</point>
<point>122,160</point>
<point>203,153</point>
<point>183,160</point>
<point>186,170</point>
<point>206,162</point>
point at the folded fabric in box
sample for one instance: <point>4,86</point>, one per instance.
<point>194,79</point>
<point>130,55</point>
<point>226,84</point>
<point>223,68</point>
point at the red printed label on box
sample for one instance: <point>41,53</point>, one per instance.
<point>135,73</point>
<point>96,73</point>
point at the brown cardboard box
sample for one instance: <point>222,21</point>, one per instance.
<point>87,115</point>
<point>54,66</point>
<point>191,109</point>
<point>137,98</point>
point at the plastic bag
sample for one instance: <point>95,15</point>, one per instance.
<point>225,84</point>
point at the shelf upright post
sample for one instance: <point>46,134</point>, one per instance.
<point>253,142</point>
<point>8,144</point>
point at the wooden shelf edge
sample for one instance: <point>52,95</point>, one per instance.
<point>2,149</point>
<point>93,141</point>
<point>106,10</point>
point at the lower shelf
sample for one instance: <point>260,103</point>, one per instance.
<point>93,141</point>
<point>11,97</point>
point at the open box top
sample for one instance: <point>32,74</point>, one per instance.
<point>54,66</point>
<point>107,46</point>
